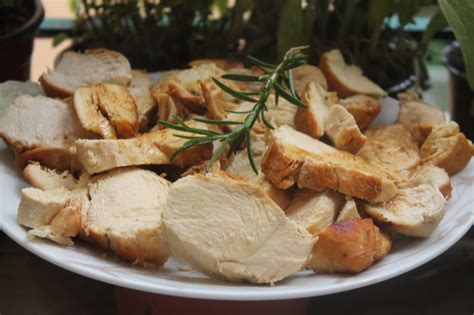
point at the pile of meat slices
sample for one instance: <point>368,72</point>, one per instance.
<point>331,187</point>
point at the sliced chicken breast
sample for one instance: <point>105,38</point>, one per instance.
<point>391,148</point>
<point>295,158</point>
<point>92,67</point>
<point>233,230</point>
<point>349,246</point>
<point>364,109</point>
<point>447,147</point>
<point>125,214</point>
<point>346,80</point>
<point>47,179</point>
<point>341,128</point>
<point>38,121</point>
<point>314,210</point>
<point>415,211</point>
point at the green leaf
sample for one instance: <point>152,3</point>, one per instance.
<point>232,92</point>
<point>250,155</point>
<point>59,38</point>
<point>217,122</point>
<point>279,89</point>
<point>241,77</point>
<point>406,10</point>
<point>290,31</point>
<point>260,63</point>
<point>378,11</point>
<point>459,14</point>
<point>437,23</point>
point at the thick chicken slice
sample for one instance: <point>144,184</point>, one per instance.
<point>156,147</point>
<point>349,246</point>
<point>314,210</point>
<point>125,214</point>
<point>107,110</point>
<point>447,147</point>
<point>364,109</point>
<point>414,113</point>
<point>233,230</point>
<point>295,158</point>
<point>391,148</point>
<point>415,211</point>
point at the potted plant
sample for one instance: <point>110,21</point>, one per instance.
<point>19,20</point>
<point>458,59</point>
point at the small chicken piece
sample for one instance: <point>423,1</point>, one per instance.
<point>240,168</point>
<point>447,147</point>
<point>156,147</point>
<point>364,109</point>
<point>391,148</point>
<point>415,211</point>
<point>349,211</point>
<point>139,89</point>
<point>311,120</point>
<point>431,175</point>
<point>52,214</point>
<point>295,158</point>
<point>125,212</point>
<point>346,80</point>
<point>215,103</point>
<point>349,246</point>
<point>341,128</point>
<point>60,159</point>
<point>46,179</point>
<point>184,85</point>
<point>237,233</point>
<point>305,74</point>
<point>225,64</point>
<point>414,113</point>
<point>314,210</point>
<point>106,110</point>
<point>37,121</point>
<point>168,108</point>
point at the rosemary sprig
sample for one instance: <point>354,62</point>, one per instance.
<point>277,78</point>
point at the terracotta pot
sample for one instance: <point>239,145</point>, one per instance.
<point>131,302</point>
<point>16,47</point>
<point>461,96</point>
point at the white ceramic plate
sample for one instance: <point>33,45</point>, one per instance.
<point>87,261</point>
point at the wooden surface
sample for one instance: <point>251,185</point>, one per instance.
<point>30,285</point>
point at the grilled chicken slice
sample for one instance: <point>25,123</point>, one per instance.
<point>233,230</point>
<point>240,168</point>
<point>125,212</point>
<point>349,246</point>
<point>295,158</point>
<point>341,128</point>
<point>107,110</point>
<point>414,113</point>
<point>92,67</point>
<point>346,80</point>
<point>447,147</point>
<point>37,121</point>
<point>391,148</point>
<point>431,175</point>
<point>314,210</point>
<point>415,211</point>
<point>139,89</point>
<point>53,214</point>
<point>311,120</point>
<point>156,147</point>
<point>364,109</point>
<point>47,179</point>
<point>305,74</point>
